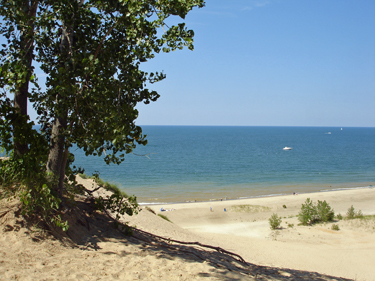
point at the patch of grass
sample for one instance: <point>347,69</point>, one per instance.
<point>249,208</point>
<point>290,225</point>
<point>368,217</point>
<point>114,188</point>
<point>274,221</point>
<point>164,217</point>
<point>108,186</point>
<point>274,234</point>
<point>339,217</point>
<point>84,176</point>
<point>352,214</point>
<point>335,227</point>
<point>150,210</point>
<point>365,218</point>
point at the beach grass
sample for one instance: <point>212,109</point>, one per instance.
<point>84,176</point>
<point>364,218</point>
<point>164,217</point>
<point>150,210</point>
<point>369,217</point>
<point>249,208</point>
<point>108,186</point>
<point>335,227</point>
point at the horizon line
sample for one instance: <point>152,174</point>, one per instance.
<point>315,126</point>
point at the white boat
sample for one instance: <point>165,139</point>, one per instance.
<point>287,148</point>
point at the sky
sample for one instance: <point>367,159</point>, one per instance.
<point>270,63</point>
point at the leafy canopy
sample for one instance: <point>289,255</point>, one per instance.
<point>91,54</point>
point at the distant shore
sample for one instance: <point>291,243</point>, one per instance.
<point>222,196</point>
<point>341,197</point>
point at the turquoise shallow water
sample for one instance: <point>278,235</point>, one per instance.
<point>187,163</point>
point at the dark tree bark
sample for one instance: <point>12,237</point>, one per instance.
<point>21,94</point>
<point>55,161</point>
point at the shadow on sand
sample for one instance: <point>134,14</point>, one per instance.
<point>88,228</point>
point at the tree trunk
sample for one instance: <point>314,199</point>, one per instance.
<point>58,150</point>
<point>55,162</point>
<point>21,94</point>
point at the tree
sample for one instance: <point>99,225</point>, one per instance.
<point>95,79</point>
<point>16,67</point>
<point>91,52</point>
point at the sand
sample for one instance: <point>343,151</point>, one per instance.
<point>93,249</point>
<point>349,252</point>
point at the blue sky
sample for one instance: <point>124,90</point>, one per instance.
<point>271,63</point>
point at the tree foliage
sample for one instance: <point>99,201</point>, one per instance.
<point>91,53</point>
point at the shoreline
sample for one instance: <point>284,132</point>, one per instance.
<point>242,226</point>
<point>336,199</point>
<point>369,185</point>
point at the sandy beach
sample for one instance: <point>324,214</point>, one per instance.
<point>349,252</point>
<point>226,231</point>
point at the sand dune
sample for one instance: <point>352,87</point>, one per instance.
<point>93,250</point>
<point>349,252</point>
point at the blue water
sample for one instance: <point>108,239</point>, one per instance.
<point>187,163</point>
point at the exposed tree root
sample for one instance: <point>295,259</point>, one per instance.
<point>218,249</point>
<point>184,247</point>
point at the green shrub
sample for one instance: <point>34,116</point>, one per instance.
<point>26,179</point>
<point>352,214</point>
<point>308,213</point>
<point>118,203</point>
<point>324,211</point>
<point>339,216</point>
<point>359,214</point>
<point>335,227</point>
<point>284,206</point>
<point>274,221</point>
<point>311,213</point>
